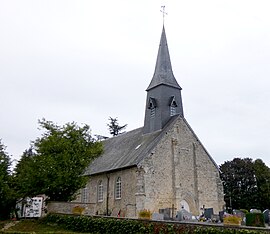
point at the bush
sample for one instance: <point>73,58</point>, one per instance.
<point>100,225</point>
<point>232,220</point>
<point>78,210</point>
<point>255,219</point>
<point>212,230</point>
<point>145,214</point>
<point>95,225</point>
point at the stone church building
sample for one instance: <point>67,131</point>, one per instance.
<point>162,165</point>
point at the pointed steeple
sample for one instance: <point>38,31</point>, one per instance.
<point>163,71</point>
<point>164,93</point>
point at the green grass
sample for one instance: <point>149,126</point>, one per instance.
<point>34,226</point>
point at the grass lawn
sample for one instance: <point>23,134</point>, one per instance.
<point>30,226</point>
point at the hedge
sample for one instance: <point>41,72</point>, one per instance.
<point>98,225</point>
<point>255,219</point>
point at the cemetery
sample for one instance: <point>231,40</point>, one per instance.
<point>253,218</point>
<point>165,221</point>
<point>105,224</point>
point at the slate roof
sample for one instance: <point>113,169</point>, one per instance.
<point>126,150</point>
<point>130,148</point>
<point>163,71</point>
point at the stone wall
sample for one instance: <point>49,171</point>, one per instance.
<point>209,184</point>
<point>158,176</point>
<point>179,172</point>
<point>68,207</point>
<point>126,206</point>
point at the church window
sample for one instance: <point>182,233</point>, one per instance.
<point>152,106</point>
<point>118,189</point>
<point>100,191</point>
<point>85,195</point>
<point>173,106</point>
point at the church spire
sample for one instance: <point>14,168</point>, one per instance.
<point>163,71</point>
<point>164,93</point>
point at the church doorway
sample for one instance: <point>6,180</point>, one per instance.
<point>184,205</point>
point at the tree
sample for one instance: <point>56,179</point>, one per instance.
<point>6,193</point>
<point>262,173</point>
<point>114,128</point>
<point>239,183</point>
<point>246,183</point>
<point>56,162</point>
<point>25,176</point>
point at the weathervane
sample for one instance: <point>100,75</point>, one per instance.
<point>163,12</point>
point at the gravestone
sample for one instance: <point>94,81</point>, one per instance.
<point>221,215</point>
<point>166,213</point>
<point>157,216</point>
<point>215,218</point>
<point>183,215</point>
<point>266,214</point>
<point>239,213</point>
<point>208,212</point>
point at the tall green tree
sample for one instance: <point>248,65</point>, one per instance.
<point>26,177</point>
<point>114,127</point>
<point>262,173</point>
<point>246,183</point>
<point>56,162</point>
<point>6,193</point>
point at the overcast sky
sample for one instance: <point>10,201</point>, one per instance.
<point>83,61</point>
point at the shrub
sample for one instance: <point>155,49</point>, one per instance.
<point>78,210</point>
<point>255,219</point>
<point>232,220</point>
<point>98,225</point>
<point>145,214</point>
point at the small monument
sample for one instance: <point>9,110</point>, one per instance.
<point>183,215</point>
<point>266,214</point>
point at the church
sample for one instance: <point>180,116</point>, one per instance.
<point>160,166</point>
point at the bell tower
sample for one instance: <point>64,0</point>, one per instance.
<point>164,93</point>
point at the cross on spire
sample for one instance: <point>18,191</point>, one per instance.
<point>163,12</point>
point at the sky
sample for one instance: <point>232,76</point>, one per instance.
<point>85,60</point>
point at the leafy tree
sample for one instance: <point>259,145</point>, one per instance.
<point>6,193</point>
<point>114,127</point>
<point>56,162</point>
<point>239,183</point>
<point>26,177</point>
<point>262,173</point>
<point>246,183</point>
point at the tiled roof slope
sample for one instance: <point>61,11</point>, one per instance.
<point>126,150</point>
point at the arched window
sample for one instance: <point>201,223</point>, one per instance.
<point>118,189</point>
<point>100,191</point>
